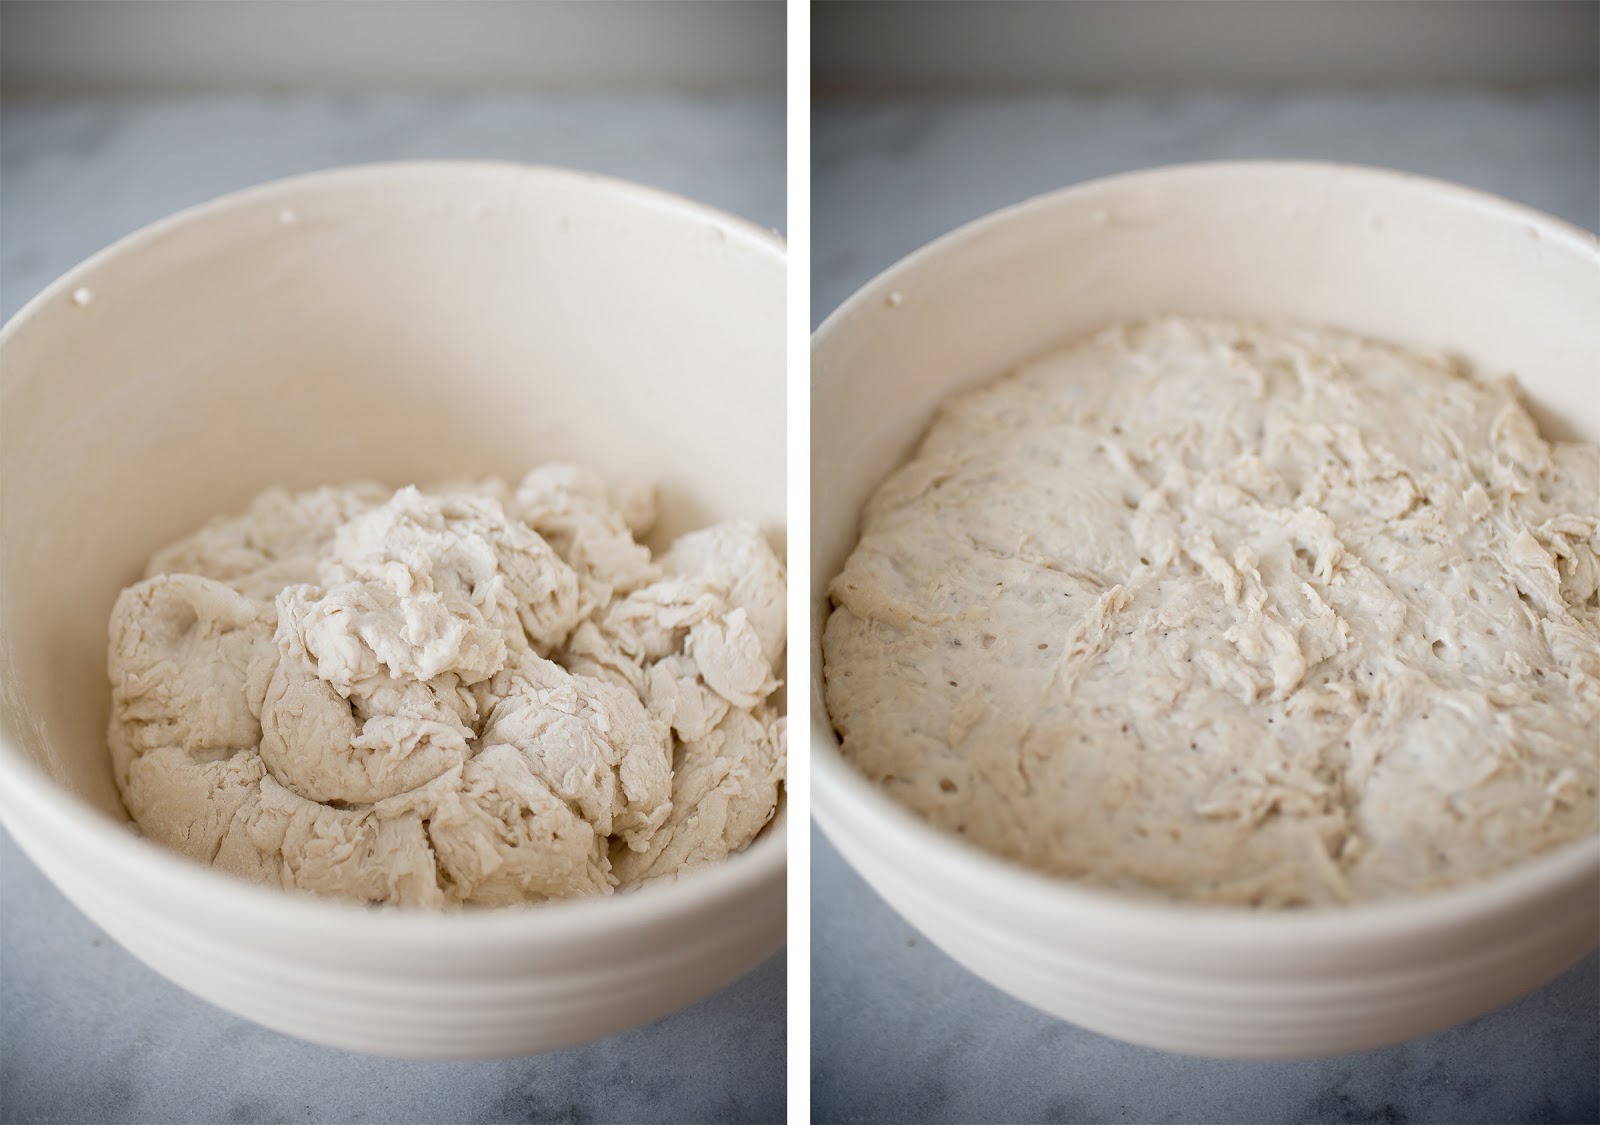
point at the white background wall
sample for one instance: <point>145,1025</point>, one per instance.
<point>101,46</point>
<point>858,46</point>
<point>971,46</point>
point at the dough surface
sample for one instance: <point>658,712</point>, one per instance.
<point>1270,616</point>
<point>480,694</point>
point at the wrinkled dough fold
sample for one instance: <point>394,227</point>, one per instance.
<point>478,694</point>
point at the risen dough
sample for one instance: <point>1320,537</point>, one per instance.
<point>479,694</point>
<point>1271,616</point>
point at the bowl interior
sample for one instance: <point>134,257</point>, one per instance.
<point>404,323</point>
<point>1392,256</point>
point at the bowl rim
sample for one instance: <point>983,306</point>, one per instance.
<point>749,232</point>
<point>118,847</point>
<point>1327,170</point>
<point>839,791</point>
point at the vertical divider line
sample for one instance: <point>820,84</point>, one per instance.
<point>799,562</point>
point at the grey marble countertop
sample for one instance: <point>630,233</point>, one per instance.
<point>899,1031</point>
<point>89,1034</point>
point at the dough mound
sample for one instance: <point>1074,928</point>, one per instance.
<point>1269,616</point>
<point>478,694</point>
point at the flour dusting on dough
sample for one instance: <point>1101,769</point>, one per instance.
<point>1235,614</point>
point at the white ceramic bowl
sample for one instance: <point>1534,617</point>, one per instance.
<point>1393,256</point>
<point>400,322</point>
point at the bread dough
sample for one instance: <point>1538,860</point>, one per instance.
<point>1239,614</point>
<point>477,694</point>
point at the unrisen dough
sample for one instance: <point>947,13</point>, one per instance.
<point>1271,616</point>
<point>477,694</point>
